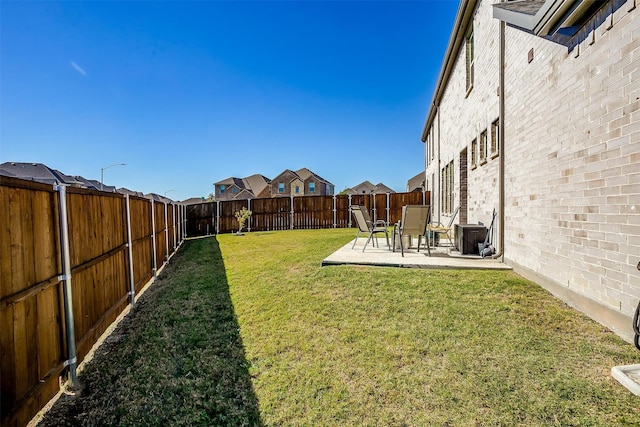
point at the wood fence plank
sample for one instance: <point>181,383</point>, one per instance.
<point>7,360</point>
<point>45,259</point>
<point>5,243</point>
<point>48,330</point>
<point>21,356</point>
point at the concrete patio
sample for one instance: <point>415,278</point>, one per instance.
<point>382,255</point>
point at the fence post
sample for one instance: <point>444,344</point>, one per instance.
<point>217,218</point>
<point>66,284</point>
<point>132,284</point>
<point>335,217</point>
<point>249,209</point>
<point>175,226</point>
<point>153,239</point>
<point>388,208</point>
<point>166,232</point>
<point>373,206</point>
<point>291,226</point>
<point>349,211</point>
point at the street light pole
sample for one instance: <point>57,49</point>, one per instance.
<point>102,173</point>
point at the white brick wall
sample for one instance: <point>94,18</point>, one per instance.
<point>572,152</point>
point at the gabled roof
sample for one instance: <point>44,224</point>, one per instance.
<point>256,183</point>
<point>367,187</point>
<point>416,182</point>
<point>305,174</point>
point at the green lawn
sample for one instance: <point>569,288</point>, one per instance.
<point>251,330</point>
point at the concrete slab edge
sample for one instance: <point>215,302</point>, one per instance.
<point>621,373</point>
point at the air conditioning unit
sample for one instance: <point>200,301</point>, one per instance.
<point>467,237</point>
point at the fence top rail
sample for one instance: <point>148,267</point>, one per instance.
<point>8,181</point>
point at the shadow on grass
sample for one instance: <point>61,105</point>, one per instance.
<point>176,359</point>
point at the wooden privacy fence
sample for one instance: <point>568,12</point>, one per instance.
<point>304,212</point>
<point>71,260</point>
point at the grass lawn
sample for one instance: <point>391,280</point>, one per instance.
<point>251,330</point>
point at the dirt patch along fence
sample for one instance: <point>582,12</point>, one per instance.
<point>71,260</point>
<point>304,212</point>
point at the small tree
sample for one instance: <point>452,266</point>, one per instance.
<point>242,216</point>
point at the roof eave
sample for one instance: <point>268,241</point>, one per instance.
<point>464,15</point>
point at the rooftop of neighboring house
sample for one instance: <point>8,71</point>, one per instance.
<point>416,183</point>
<point>193,201</point>
<point>253,185</point>
<point>38,172</point>
<point>123,190</point>
<point>367,187</point>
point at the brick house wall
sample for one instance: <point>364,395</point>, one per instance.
<point>571,153</point>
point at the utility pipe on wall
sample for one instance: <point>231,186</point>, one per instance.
<point>501,195</point>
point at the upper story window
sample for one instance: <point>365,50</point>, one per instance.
<point>312,187</point>
<point>297,190</point>
<point>474,153</point>
<point>222,189</point>
<point>495,138</point>
<point>483,147</point>
<point>234,190</point>
<point>281,187</point>
<point>469,52</point>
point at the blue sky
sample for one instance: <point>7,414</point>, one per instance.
<point>190,93</point>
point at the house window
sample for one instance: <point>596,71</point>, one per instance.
<point>483,147</point>
<point>469,52</point>
<point>281,187</point>
<point>234,190</point>
<point>474,153</point>
<point>222,189</point>
<point>446,195</point>
<point>312,187</point>
<point>297,190</point>
<point>495,135</point>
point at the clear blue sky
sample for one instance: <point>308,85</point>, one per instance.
<point>190,93</point>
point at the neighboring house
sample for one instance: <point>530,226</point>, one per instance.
<point>302,182</point>
<point>417,183</point>
<point>540,120</point>
<point>251,187</point>
<point>368,188</point>
<point>38,172</point>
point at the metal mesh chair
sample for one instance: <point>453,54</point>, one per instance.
<point>365,225</point>
<point>414,223</point>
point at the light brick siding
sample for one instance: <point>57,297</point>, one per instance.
<point>572,152</point>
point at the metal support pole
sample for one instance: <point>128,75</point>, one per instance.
<point>153,239</point>
<point>217,219</point>
<point>291,212</point>
<point>175,226</point>
<point>66,285</point>
<point>166,232</point>
<point>132,284</point>
<point>249,208</point>
<point>373,207</point>
<point>388,208</point>
<point>335,217</point>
